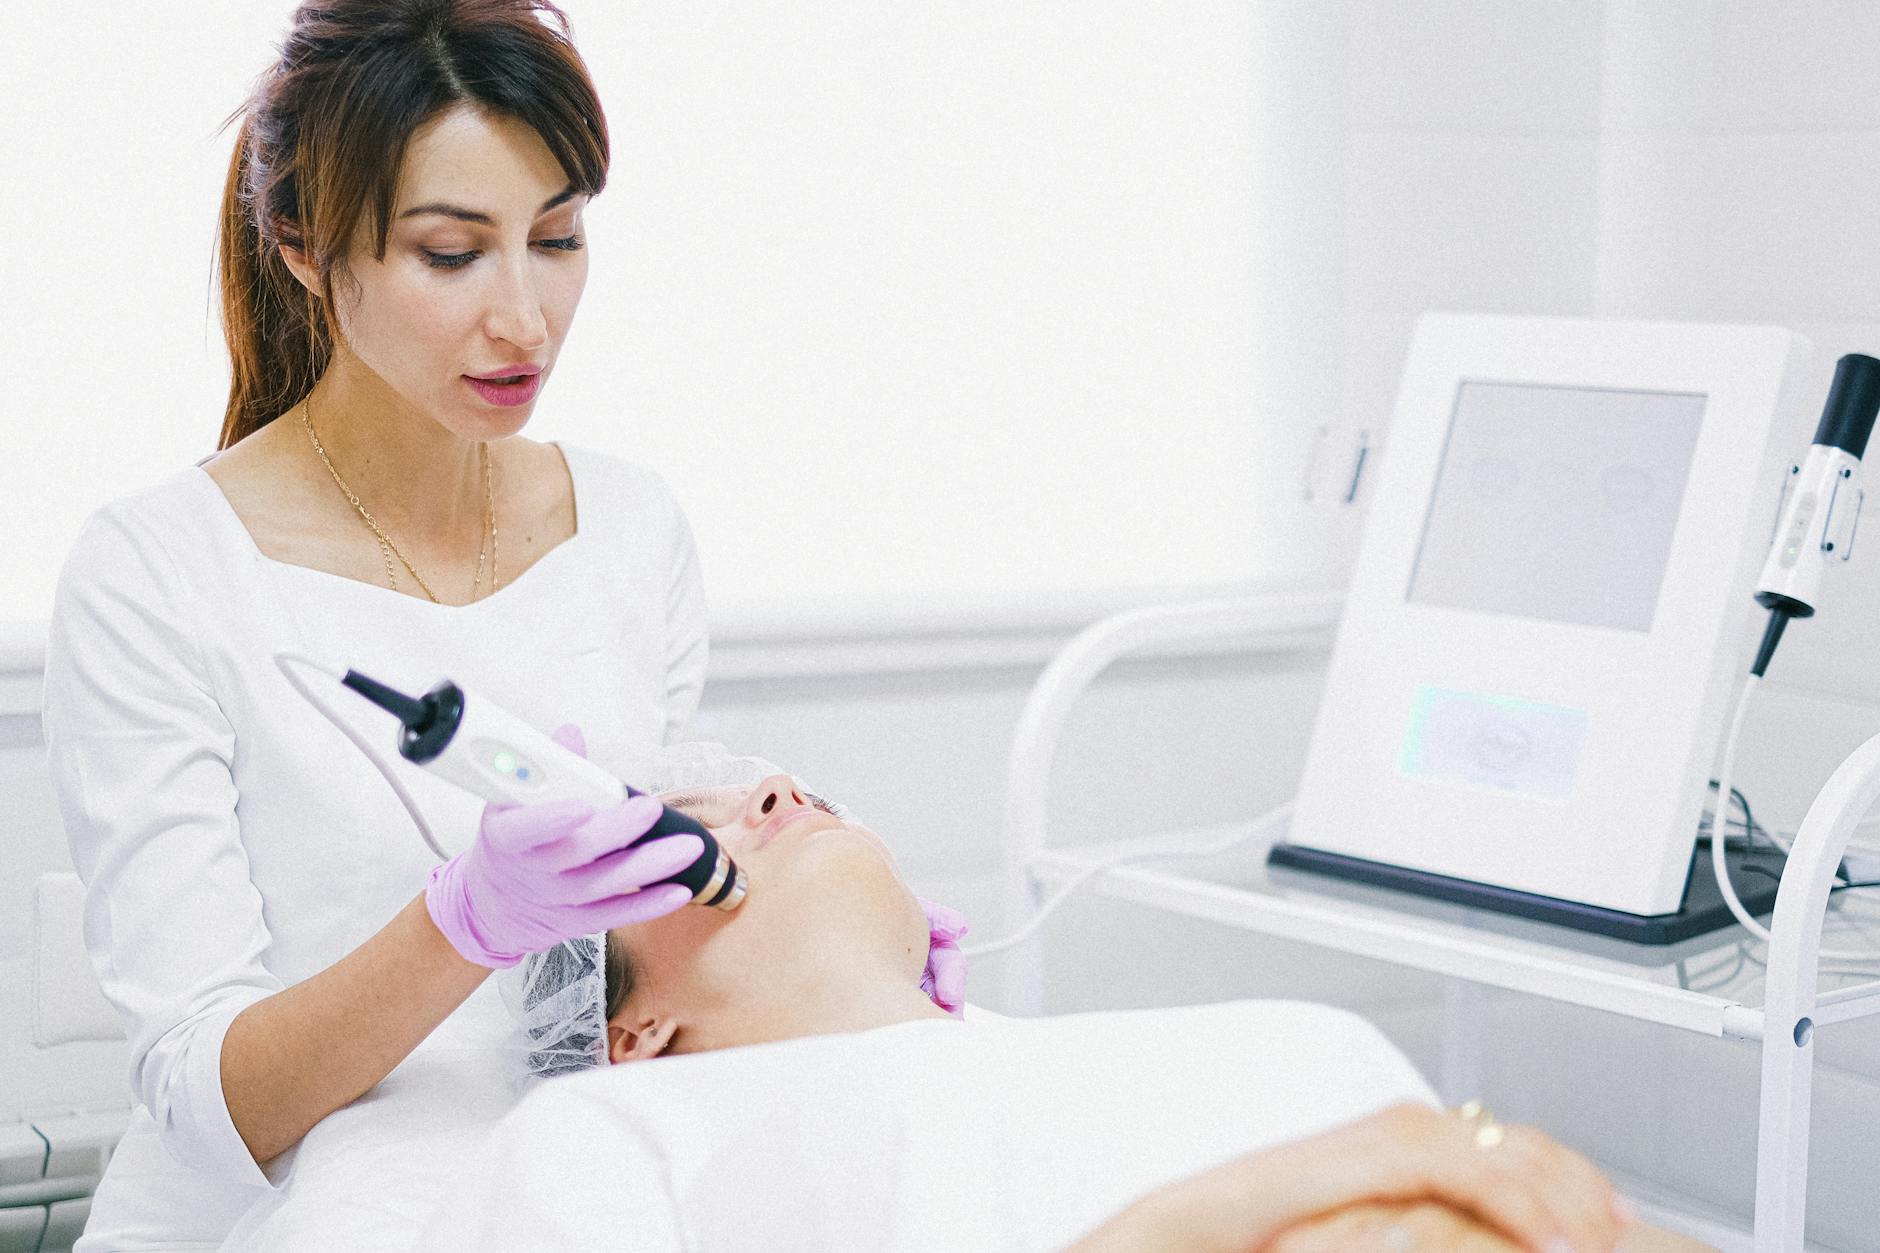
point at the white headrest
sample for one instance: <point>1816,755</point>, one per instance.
<point>67,1005</point>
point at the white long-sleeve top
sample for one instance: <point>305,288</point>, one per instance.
<point>233,842</point>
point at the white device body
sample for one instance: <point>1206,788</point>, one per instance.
<point>1815,524</point>
<point>1488,726</point>
<point>504,760</point>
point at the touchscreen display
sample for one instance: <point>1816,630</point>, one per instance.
<point>1557,502</point>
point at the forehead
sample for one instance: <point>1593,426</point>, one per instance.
<point>479,160</point>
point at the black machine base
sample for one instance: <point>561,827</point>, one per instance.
<point>1703,909</point>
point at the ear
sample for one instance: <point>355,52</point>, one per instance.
<point>302,269</point>
<point>646,1037</point>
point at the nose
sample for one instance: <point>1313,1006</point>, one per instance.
<point>779,791</point>
<point>515,311</point>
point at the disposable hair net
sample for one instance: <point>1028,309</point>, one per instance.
<point>559,996</point>
<point>696,764</point>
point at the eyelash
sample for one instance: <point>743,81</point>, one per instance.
<point>457,260</point>
<point>695,800</point>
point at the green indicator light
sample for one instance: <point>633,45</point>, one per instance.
<point>505,763</point>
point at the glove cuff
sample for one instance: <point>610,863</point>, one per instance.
<point>446,900</point>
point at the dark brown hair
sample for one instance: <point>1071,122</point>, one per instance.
<point>617,964</point>
<point>322,139</point>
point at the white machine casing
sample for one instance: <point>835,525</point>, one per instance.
<point>504,760</point>
<point>1620,724</point>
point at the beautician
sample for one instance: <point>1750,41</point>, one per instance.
<point>402,251</point>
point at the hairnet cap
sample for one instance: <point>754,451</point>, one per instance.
<point>559,996</point>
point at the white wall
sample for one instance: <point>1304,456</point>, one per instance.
<point>878,288</point>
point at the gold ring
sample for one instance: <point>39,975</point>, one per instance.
<point>1488,1132</point>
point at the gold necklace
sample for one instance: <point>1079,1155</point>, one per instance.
<point>387,548</point>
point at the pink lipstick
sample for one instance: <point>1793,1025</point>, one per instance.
<point>509,386</point>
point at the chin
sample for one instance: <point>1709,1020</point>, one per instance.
<point>492,427</point>
<point>850,856</point>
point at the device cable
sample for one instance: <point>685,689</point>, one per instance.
<point>286,663</point>
<point>1717,864</point>
<point>1260,826</point>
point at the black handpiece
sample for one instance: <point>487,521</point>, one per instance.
<point>492,754</point>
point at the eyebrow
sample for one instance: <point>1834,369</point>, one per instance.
<point>462,214</point>
<point>693,800</point>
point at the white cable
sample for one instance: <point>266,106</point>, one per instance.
<point>352,733</point>
<point>1260,825</point>
<point>1717,864</point>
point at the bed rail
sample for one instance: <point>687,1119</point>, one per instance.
<point>1273,622</point>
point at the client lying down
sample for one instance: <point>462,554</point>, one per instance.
<point>808,1095</point>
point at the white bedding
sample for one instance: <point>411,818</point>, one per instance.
<point>991,1134</point>
<point>367,1175</point>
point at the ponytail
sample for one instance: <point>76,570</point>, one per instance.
<point>277,350</point>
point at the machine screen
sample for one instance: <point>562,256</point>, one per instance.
<point>1557,502</point>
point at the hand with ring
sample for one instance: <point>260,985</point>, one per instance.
<point>1406,1178</point>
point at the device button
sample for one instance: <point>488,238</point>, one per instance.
<point>499,759</point>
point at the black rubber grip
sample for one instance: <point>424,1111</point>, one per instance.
<point>1853,400</point>
<point>673,822</point>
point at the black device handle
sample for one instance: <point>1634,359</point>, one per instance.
<point>672,822</point>
<point>1853,401</point>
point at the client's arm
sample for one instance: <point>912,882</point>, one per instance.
<point>1406,1165</point>
<point>1392,1226</point>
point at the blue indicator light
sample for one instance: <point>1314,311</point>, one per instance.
<point>522,772</point>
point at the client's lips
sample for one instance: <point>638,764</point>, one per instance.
<point>776,826</point>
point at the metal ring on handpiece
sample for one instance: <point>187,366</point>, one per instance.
<point>726,889</point>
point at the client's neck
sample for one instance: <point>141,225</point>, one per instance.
<point>827,999</point>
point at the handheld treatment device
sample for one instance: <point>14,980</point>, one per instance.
<point>489,752</point>
<point>1821,502</point>
<point>1815,524</point>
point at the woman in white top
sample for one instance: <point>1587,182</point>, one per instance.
<point>401,253</point>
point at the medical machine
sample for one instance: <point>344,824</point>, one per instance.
<point>489,752</point>
<point>1527,689</point>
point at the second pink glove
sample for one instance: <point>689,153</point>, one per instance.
<point>944,980</point>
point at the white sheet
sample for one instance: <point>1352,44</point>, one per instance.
<point>992,1134</point>
<point>368,1175</point>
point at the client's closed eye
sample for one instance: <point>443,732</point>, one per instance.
<point>715,807</point>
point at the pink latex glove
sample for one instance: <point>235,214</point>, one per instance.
<point>944,981</point>
<point>541,874</point>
